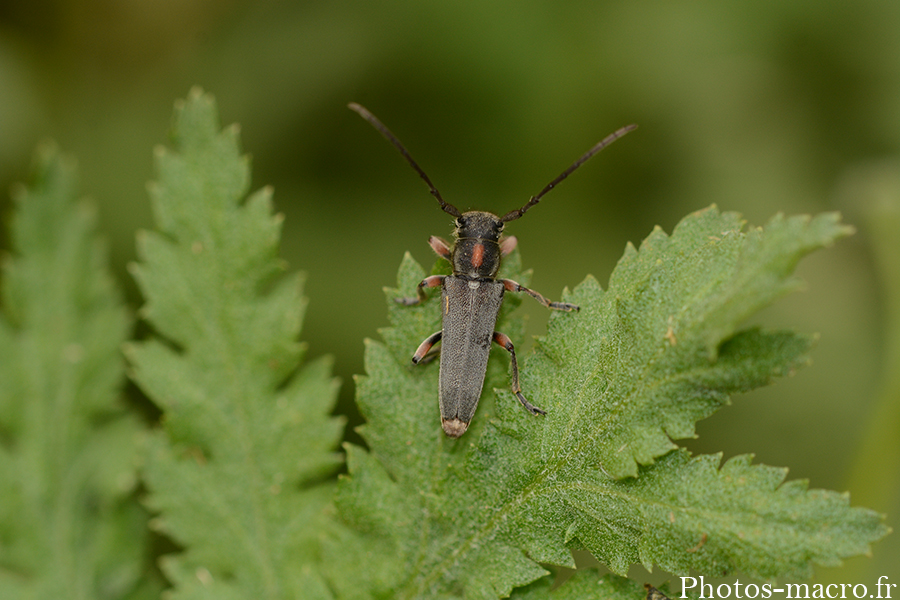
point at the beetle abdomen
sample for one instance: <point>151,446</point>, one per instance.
<point>469,312</point>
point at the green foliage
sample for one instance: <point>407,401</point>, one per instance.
<point>69,524</point>
<point>634,369</point>
<point>583,585</point>
<point>240,472</point>
<point>237,472</point>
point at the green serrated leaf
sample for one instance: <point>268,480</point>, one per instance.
<point>636,367</point>
<point>686,513</point>
<point>645,359</point>
<point>236,473</point>
<point>69,524</point>
<point>584,584</point>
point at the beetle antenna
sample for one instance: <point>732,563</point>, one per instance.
<point>374,122</point>
<point>515,214</point>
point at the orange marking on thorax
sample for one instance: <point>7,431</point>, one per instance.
<point>477,255</point>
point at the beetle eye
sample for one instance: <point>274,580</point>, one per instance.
<point>460,222</point>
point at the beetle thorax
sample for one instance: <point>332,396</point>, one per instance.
<point>477,251</point>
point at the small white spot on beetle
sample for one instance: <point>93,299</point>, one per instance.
<point>454,427</point>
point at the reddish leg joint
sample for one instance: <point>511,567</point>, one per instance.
<point>428,282</point>
<point>440,246</point>
<point>508,244</point>
<point>424,347</point>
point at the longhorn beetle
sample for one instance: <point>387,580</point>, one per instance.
<point>472,295</point>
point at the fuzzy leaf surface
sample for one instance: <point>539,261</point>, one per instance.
<point>236,474</point>
<point>636,367</point>
<point>585,584</point>
<point>660,349</point>
<point>70,525</point>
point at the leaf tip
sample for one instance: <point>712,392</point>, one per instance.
<point>195,92</point>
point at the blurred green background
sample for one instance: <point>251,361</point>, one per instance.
<point>759,107</point>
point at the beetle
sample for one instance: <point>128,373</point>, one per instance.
<point>472,295</point>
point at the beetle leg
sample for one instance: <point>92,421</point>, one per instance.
<point>440,246</point>
<point>507,244</point>
<point>430,282</point>
<point>503,340</point>
<point>512,286</point>
<point>422,352</point>
<point>430,356</point>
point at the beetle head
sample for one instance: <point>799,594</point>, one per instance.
<point>478,225</point>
